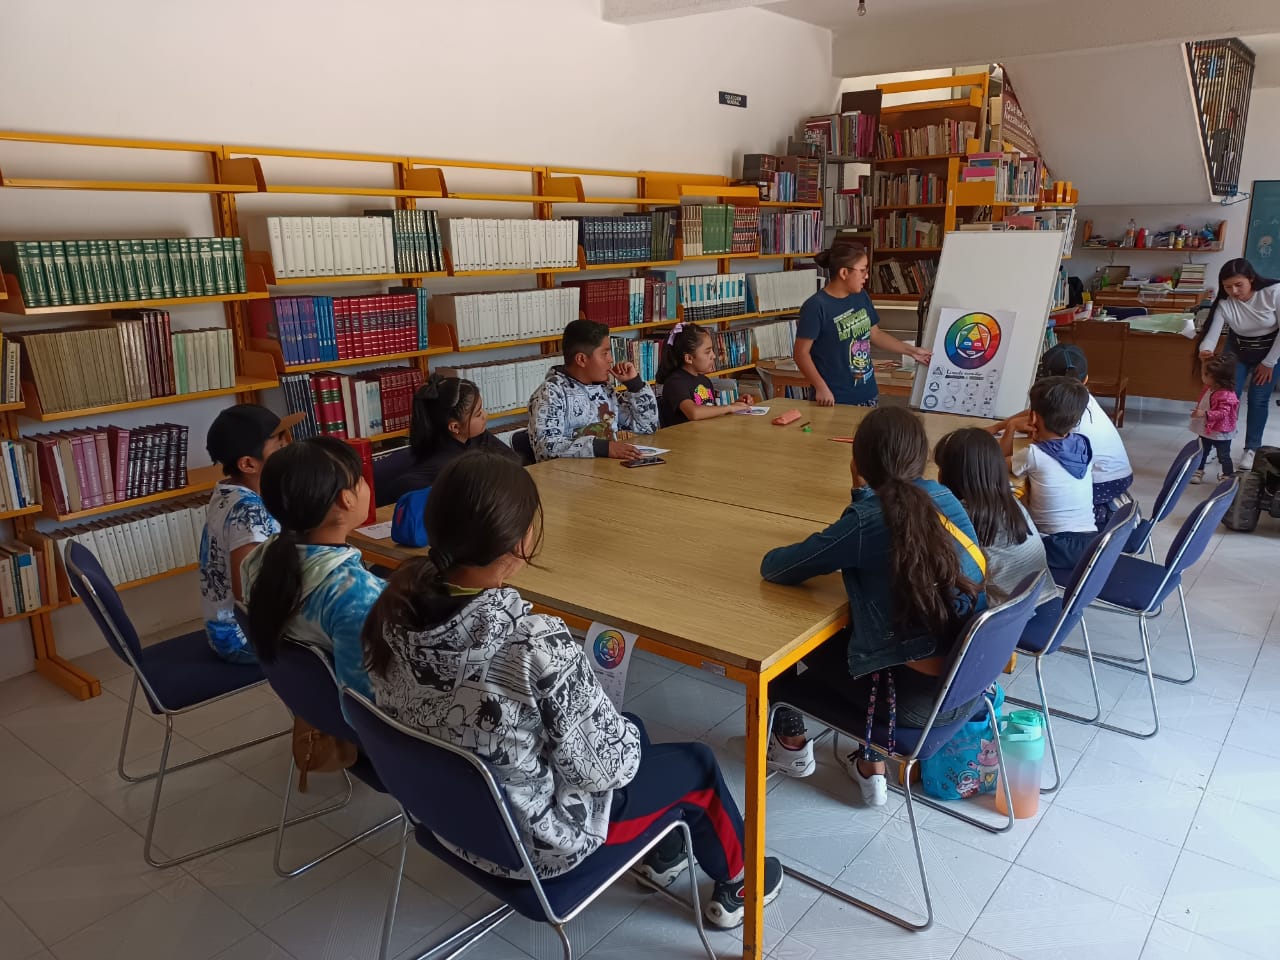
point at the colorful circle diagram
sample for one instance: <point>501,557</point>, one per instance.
<point>610,649</point>
<point>973,340</point>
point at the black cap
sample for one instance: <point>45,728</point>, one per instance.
<point>1064,360</point>
<point>240,431</point>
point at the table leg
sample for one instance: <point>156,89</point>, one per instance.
<point>754,820</point>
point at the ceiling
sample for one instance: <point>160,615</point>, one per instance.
<point>838,14</point>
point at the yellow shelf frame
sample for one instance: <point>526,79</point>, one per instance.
<point>16,305</point>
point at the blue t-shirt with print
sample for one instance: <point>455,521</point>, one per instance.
<point>840,328</point>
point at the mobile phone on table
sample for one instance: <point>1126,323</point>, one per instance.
<point>643,462</point>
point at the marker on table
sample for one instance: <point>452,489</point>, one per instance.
<point>805,427</point>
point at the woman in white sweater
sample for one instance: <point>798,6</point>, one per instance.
<point>1249,306</point>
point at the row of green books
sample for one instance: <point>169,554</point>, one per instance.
<point>54,273</point>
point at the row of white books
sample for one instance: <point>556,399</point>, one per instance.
<point>146,543</point>
<point>331,246</point>
<point>481,318</point>
<point>775,340</point>
<point>785,290</point>
<point>505,386</point>
<point>713,295</point>
<point>512,244</point>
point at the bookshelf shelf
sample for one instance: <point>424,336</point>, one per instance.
<point>473,347</point>
<point>924,106</point>
<point>358,361</point>
<point>14,303</point>
<point>911,206</point>
<point>728,370</point>
<point>793,204</point>
<point>640,265</point>
<point>789,256</point>
<point>880,161</point>
<point>199,480</point>
<point>24,512</point>
<point>31,410</point>
<point>339,191</point>
<point>128,186</point>
<point>12,407</point>
<point>262,259</point>
<point>1217,248</point>
<point>131,584</point>
<point>755,254</point>
<point>837,158</point>
<point>895,297</point>
<point>892,250</point>
<point>48,608</point>
<point>392,435</point>
<point>4,290</point>
<point>764,314</point>
<point>622,201</point>
<point>502,414</point>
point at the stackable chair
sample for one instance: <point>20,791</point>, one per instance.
<point>303,678</point>
<point>1139,587</point>
<point>472,815</point>
<point>176,676</point>
<point>1055,619</point>
<point>979,659</point>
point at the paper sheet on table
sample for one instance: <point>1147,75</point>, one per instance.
<point>752,412</point>
<point>652,451</point>
<point>377,531</point>
<point>609,652</point>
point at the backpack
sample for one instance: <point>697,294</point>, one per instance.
<point>407,524</point>
<point>315,751</point>
<point>1256,493</point>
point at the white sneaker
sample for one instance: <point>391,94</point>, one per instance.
<point>1225,476</point>
<point>1246,461</point>
<point>875,788</point>
<point>796,763</point>
<point>1198,477</point>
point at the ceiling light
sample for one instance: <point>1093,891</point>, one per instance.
<point>862,8</point>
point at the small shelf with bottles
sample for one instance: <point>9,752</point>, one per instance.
<point>1137,240</point>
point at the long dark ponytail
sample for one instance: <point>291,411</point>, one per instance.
<point>481,508</point>
<point>437,403</point>
<point>972,466</point>
<point>683,341</point>
<point>890,448</point>
<point>1239,267</point>
<point>299,486</point>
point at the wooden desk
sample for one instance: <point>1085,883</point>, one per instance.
<point>781,378</point>
<point>1157,364</point>
<point>605,558</point>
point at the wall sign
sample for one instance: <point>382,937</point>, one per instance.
<point>733,99</point>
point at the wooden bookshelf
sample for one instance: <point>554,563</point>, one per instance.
<point>792,204</point>
<point>72,599</point>
<point>882,161</point>
<point>473,347</point>
<point>4,287</point>
<point>262,259</point>
<point>23,512</point>
<point>272,349</point>
<point>199,480</point>
<point>789,256</point>
<point>16,305</point>
<point>39,612</point>
<point>390,435</point>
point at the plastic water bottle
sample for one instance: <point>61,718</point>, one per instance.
<point>1022,739</point>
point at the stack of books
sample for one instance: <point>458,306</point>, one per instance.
<point>949,136</point>
<point>320,329</point>
<point>1190,278</point>
<point>774,340</point>
<point>380,242</point>
<point>480,318</point>
<point>851,134</point>
<point>630,238</point>
<point>1019,179</point>
<point>762,170</point>
<point>794,231</point>
<point>95,467</point>
<point>54,273</point>
<point>715,296</point>
<point>482,245</point>
<point>626,301</point>
<point>901,277</point>
<point>913,186</point>
<point>131,358</point>
<point>785,290</point>
<point>980,167</point>
<point>846,196</point>
<point>350,406</point>
<point>505,385</point>
<point>145,543</point>
<point>905,231</point>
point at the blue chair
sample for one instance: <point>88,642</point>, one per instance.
<point>472,815</point>
<point>1055,619</point>
<point>302,677</point>
<point>176,676</point>
<point>522,445</point>
<point>980,656</point>
<point>1139,587</point>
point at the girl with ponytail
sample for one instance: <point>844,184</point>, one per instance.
<point>305,583</point>
<point>688,360</point>
<point>837,328</point>
<point>1248,305</point>
<point>914,573</point>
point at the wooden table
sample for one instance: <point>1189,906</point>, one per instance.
<point>1159,365</point>
<point>782,377</point>
<point>672,553</point>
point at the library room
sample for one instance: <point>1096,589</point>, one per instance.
<point>594,479</point>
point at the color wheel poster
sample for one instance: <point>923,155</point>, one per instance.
<point>609,651</point>
<point>968,360</point>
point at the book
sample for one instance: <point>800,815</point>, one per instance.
<point>482,318</point>
<point>905,231</point>
<point>324,329</point>
<point>129,546</point>
<point>505,385</point>
<point>898,276</point>
<point>381,242</point>
<point>931,140</point>
<point>477,245</point>
<point>350,406</point>
<point>54,273</point>
<point>94,467</point>
<point>910,187</point>
<point>629,238</point>
<point>786,290</point>
<point>714,296</point>
<point>623,301</point>
<point>790,231</point>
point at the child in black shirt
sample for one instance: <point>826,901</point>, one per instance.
<point>687,393</point>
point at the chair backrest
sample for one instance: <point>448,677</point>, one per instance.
<point>1104,347</point>
<point>986,645</point>
<point>1175,481</point>
<point>1092,572</point>
<point>92,585</point>
<point>1124,313</point>
<point>303,679</point>
<point>522,445</point>
<point>386,467</point>
<point>448,790</point>
<point>1196,531</point>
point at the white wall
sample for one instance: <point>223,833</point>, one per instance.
<point>506,80</point>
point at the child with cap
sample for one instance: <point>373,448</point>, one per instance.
<point>241,438</point>
<point>1112,475</point>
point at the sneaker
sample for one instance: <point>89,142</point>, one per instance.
<point>1198,477</point>
<point>795,762</point>
<point>728,901</point>
<point>875,788</point>
<point>665,862</point>
<point>1246,461</point>
<point>1225,476</point>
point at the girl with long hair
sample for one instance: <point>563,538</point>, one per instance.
<point>1248,305</point>
<point>837,328</point>
<point>684,371</point>
<point>907,552</point>
<point>454,651</point>
<point>305,583</point>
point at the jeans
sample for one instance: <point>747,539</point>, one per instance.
<point>1223,449</point>
<point>1256,400</point>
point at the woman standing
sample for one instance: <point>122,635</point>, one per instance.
<point>1249,305</point>
<point>837,328</point>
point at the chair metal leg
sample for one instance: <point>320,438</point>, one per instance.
<point>693,893</point>
<point>1151,689</point>
<point>389,918</point>
<point>1048,731</point>
<point>1088,655</point>
<point>288,873</point>
<point>469,934</point>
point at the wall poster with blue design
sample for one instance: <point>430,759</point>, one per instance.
<point>1262,244</point>
<point>969,350</point>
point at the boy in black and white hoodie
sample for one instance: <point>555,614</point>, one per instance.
<point>573,412</point>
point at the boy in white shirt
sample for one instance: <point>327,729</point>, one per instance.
<point>1112,474</point>
<point>241,438</point>
<point>1057,468</point>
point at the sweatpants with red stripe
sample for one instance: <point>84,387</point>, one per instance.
<point>684,775</point>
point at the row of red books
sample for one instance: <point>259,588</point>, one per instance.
<point>353,405</point>
<point>84,469</point>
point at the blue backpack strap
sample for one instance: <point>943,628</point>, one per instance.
<point>408,526</point>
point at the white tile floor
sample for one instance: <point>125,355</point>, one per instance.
<point>1159,850</point>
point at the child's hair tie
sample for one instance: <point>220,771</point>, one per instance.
<point>675,332</point>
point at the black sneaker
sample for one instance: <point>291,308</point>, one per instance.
<point>728,900</point>
<point>665,862</point>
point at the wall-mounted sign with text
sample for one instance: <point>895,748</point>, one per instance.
<point>733,99</point>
